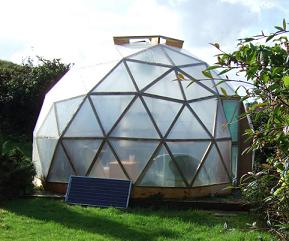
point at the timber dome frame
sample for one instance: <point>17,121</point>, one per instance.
<point>139,128</point>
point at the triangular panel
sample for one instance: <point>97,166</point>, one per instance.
<point>162,172</point>
<point>225,148</point>
<point>195,90</point>
<point>144,74</point>
<point>134,155</point>
<point>152,55</point>
<point>49,125</point>
<point>117,81</point>
<point>135,123</point>
<point>206,110</point>
<point>168,86</point>
<point>46,148</point>
<point>226,86</point>
<point>188,155</point>
<point>81,153</point>
<point>222,130</point>
<point>187,127</point>
<point>106,165</point>
<point>212,171</point>
<point>84,123</point>
<point>180,59</point>
<point>163,112</point>
<point>110,107</point>
<point>61,169</point>
<point>65,110</point>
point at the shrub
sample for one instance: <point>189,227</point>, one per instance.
<point>16,173</point>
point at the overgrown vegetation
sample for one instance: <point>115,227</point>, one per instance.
<point>264,62</point>
<point>22,91</point>
<point>47,219</point>
<point>16,172</point>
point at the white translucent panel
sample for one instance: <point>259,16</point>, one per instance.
<point>168,86</point>
<point>212,171</point>
<point>144,74</point>
<point>42,115</point>
<point>61,169</point>
<point>162,172</point>
<point>195,91</point>
<point>46,148</point>
<point>65,110</point>
<point>134,155</point>
<point>106,165</point>
<point>225,148</point>
<point>131,48</point>
<point>188,155</point>
<point>79,80</point>
<point>222,130</point>
<point>117,81</point>
<point>183,51</point>
<point>135,123</point>
<point>231,109</point>
<point>81,153</point>
<point>163,112</point>
<point>84,123</point>
<point>196,72</point>
<point>152,55</point>
<point>49,125</point>
<point>206,110</point>
<point>36,159</point>
<point>180,59</point>
<point>187,127</point>
<point>235,155</point>
<point>110,107</point>
<point>225,85</point>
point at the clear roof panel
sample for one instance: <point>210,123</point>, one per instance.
<point>61,169</point>
<point>168,86</point>
<point>188,155</point>
<point>195,91</point>
<point>212,171</point>
<point>117,81</point>
<point>222,130</point>
<point>81,153</point>
<point>134,155</point>
<point>180,59</point>
<point>206,110</point>
<point>224,85</point>
<point>84,124</point>
<point>144,74</point>
<point>116,104</point>
<point>152,55</point>
<point>162,172</point>
<point>107,166</point>
<point>163,112</point>
<point>65,110</point>
<point>135,123</point>
<point>187,127</point>
<point>225,148</point>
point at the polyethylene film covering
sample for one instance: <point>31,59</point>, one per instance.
<point>138,120</point>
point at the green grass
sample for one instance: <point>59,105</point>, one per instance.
<point>47,219</point>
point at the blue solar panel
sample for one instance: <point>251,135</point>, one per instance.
<point>98,192</point>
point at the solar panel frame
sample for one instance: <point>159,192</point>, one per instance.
<point>81,197</point>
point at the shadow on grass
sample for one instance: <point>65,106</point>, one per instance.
<point>110,223</point>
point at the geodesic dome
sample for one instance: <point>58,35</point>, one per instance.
<point>137,119</point>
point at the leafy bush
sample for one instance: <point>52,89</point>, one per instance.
<point>263,61</point>
<point>16,172</point>
<point>22,91</point>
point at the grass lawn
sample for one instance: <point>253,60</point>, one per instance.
<point>48,219</point>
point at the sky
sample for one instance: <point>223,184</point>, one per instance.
<point>81,31</point>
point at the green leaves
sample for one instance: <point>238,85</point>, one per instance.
<point>286,81</point>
